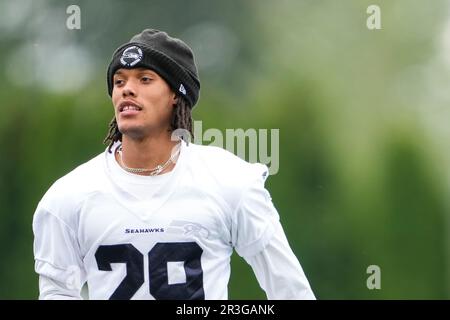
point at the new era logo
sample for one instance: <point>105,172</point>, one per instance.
<point>182,89</point>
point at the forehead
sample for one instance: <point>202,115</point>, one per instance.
<point>134,71</point>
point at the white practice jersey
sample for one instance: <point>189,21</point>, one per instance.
<point>164,237</point>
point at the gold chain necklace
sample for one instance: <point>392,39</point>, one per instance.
<point>153,172</point>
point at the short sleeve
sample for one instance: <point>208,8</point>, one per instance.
<point>57,255</point>
<point>255,215</point>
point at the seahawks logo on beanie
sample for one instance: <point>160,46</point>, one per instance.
<point>131,56</point>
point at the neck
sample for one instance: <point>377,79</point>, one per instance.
<point>147,153</point>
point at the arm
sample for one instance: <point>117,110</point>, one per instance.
<point>57,257</point>
<point>278,271</point>
<point>50,289</point>
<point>259,238</point>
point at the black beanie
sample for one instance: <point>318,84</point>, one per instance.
<point>171,58</point>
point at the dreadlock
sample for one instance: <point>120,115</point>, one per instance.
<point>181,119</point>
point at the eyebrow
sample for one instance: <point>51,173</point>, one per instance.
<point>140,70</point>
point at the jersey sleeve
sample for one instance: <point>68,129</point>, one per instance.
<point>278,270</point>
<point>255,215</point>
<point>57,257</point>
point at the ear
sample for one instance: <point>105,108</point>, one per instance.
<point>174,99</point>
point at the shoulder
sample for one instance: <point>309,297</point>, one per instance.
<point>227,174</point>
<point>68,192</point>
<point>226,165</point>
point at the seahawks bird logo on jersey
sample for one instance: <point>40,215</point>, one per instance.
<point>131,56</point>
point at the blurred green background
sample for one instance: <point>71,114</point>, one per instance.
<point>363,118</point>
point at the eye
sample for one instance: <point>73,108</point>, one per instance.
<point>118,82</point>
<point>146,79</point>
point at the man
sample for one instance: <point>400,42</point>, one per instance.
<point>157,217</point>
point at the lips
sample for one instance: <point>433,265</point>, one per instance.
<point>128,107</point>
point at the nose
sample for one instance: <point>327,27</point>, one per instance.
<point>129,89</point>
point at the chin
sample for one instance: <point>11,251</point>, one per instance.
<point>135,132</point>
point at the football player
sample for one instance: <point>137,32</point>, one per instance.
<point>155,216</point>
